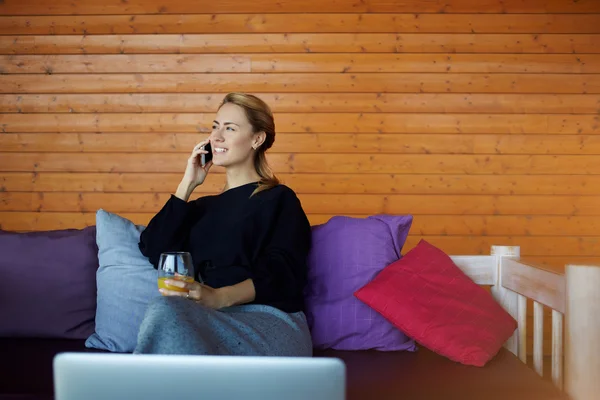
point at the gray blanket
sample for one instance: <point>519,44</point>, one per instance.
<point>174,325</point>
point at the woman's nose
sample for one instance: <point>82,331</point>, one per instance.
<point>216,135</point>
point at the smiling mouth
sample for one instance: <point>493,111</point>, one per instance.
<point>220,150</point>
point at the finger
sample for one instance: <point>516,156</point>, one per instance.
<point>208,165</point>
<point>195,154</point>
<point>201,144</point>
<point>167,292</point>
<point>200,151</point>
<point>180,284</point>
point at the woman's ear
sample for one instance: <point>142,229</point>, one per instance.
<point>258,140</point>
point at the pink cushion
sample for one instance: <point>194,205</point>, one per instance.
<point>426,296</point>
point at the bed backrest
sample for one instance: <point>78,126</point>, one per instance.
<point>573,297</point>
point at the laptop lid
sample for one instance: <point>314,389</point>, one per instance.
<point>111,376</point>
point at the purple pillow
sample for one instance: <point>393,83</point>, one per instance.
<point>48,285</point>
<point>347,253</point>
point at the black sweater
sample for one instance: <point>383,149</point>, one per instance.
<point>233,237</point>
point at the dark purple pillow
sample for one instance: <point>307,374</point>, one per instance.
<point>48,284</point>
<point>347,253</point>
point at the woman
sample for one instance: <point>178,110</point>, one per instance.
<point>249,245</point>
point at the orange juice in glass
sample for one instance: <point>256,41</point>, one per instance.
<point>175,265</point>
<point>163,285</point>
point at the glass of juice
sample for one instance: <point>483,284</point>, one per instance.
<point>175,265</point>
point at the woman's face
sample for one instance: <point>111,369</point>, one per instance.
<point>231,137</point>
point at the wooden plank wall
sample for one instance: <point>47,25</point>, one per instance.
<point>481,118</point>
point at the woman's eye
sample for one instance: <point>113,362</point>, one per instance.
<point>230,128</point>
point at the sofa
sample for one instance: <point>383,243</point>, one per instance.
<point>84,290</point>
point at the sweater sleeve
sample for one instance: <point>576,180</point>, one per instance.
<point>281,269</point>
<point>168,230</point>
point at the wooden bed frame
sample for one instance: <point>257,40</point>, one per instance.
<point>573,297</point>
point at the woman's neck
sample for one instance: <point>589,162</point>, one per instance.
<point>240,176</point>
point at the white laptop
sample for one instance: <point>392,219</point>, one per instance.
<point>110,376</point>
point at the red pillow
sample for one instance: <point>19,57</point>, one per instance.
<point>426,296</point>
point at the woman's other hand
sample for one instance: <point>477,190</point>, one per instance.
<point>197,292</point>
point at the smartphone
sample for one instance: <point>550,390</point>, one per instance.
<point>205,158</point>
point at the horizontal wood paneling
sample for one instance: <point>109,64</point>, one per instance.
<point>298,62</point>
<point>307,103</point>
<point>299,23</point>
<point>301,43</point>
<point>57,7</point>
<point>301,83</point>
<point>311,122</point>
<point>421,184</point>
<point>23,221</point>
<point>330,143</point>
<point>313,163</point>
<point>362,204</point>
<point>426,225</point>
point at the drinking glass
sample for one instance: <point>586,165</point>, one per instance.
<point>176,265</point>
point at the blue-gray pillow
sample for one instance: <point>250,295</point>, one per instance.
<point>126,283</point>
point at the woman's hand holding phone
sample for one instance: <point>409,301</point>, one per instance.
<point>195,172</point>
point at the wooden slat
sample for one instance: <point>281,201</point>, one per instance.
<point>22,221</point>
<point>314,163</point>
<point>34,221</point>
<point>309,143</point>
<point>449,244</point>
<point>507,299</point>
<point>302,83</point>
<point>423,224</point>
<point>542,285</point>
<point>25,7</point>
<point>308,102</point>
<point>124,63</point>
<point>299,23</point>
<point>558,263</point>
<point>557,349</point>
<point>301,43</point>
<point>331,62</point>
<point>452,63</point>
<point>311,122</point>
<point>309,163</point>
<point>50,221</point>
<point>509,225</point>
<point>522,327</point>
<point>538,338</point>
<point>547,339</point>
<point>25,221</point>
<point>443,207</point>
<point>286,142</point>
<point>582,330</point>
<point>572,185</point>
<point>481,269</point>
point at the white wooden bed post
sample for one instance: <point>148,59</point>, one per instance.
<point>507,298</point>
<point>582,339</point>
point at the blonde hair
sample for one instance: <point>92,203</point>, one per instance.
<point>261,119</point>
